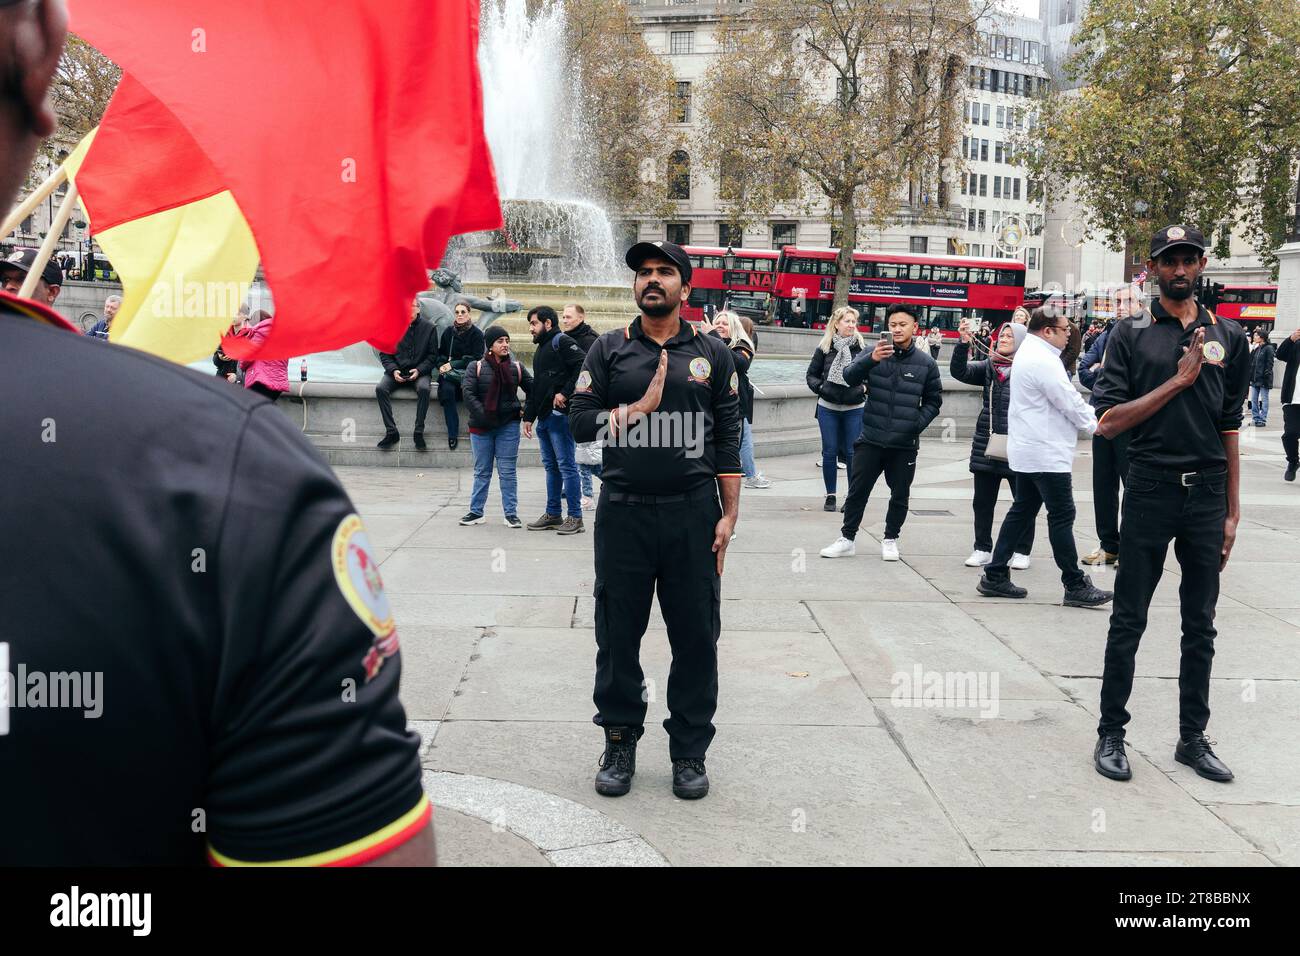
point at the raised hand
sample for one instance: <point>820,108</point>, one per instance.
<point>1189,366</point>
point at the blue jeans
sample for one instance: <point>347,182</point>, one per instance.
<point>502,443</point>
<point>585,473</point>
<point>1259,404</point>
<point>839,431</point>
<point>747,450</point>
<point>561,469</point>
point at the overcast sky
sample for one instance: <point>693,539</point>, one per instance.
<point>1026,8</point>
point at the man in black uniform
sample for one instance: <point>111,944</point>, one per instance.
<point>1288,353</point>
<point>666,398</point>
<point>203,662</point>
<point>1175,378</point>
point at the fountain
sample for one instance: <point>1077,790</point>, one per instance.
<point>554,232</point>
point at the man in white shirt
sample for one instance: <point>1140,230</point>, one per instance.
<point>1043,424</point>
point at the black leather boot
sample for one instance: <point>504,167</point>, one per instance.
<point>690,782</point>
<point>617,763</point>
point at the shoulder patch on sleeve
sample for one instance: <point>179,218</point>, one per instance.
<point>357,574</point>
<point>584,382</point>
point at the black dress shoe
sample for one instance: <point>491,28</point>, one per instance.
<point>452,442</point>
<point>1289,474</point>
<point>1109,757</point>
<point>999,588</point>
<point>418,438</point>
<point>690,782</point>
<point>389,440</point>
<point>830,503</point>
<point>617,763</point>
<point>1196,753</point>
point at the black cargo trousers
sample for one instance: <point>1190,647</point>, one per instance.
<point>663,543</point>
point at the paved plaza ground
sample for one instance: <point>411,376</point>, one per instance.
<point>816,760</point>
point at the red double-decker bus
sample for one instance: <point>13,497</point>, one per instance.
<point>747,284</point>
<point>1253,306</point>
<point>944,289</point>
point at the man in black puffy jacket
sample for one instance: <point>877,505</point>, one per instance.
<point>411,363</point>
<point>904,394</point>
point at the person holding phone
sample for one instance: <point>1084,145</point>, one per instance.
<point>904,394</point>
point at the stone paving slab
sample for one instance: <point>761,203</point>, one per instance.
<point>1025,781</point>
<point>467,841</point>
<point>767,678</point>
<point>799,796</point>
<point>738,614</point>
<point>1070,642</point>
<point>1255,738</point>
<point>1116,859</point>
<point>1274,829</point>
<point>883,644</point>
<point>433,662</point>
<point>415,609</point>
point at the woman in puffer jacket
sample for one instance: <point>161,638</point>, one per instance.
<point>994,375</point>
<point>269,378</point>
<point>839,405</point>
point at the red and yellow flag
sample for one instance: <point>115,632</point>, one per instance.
<point>349,137</point>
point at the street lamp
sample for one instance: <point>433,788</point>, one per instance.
<point>729,258</point>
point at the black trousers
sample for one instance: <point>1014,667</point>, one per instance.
<point>1033,490</point>
<point>1291,433</point>
<point>870,461</point>
<point>641,548</point>
<point>268,393</point>
<point>449,394</point>
<point>1109,470</point>
<point>983,503</point>
<point>1155,513</point>
<point>384,392</point>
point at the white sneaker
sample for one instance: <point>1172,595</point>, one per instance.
<point>889,550</point>
<point>842,548</point>
<point>1019,562</point>
<point>758,481</point>
<point>978,559</point>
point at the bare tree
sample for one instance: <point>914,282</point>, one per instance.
<point>850,104</point>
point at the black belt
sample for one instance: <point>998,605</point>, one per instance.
<point>1185,478</point>
<point>707,490</point>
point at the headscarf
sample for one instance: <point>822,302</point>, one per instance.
<point>1002,363</point>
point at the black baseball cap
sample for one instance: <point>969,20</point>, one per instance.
<point>24,259</point>
<point>1171,236</point>
<point>642,251</point>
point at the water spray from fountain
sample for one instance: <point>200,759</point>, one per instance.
<point>555,232</point>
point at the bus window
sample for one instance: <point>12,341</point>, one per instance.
<point>1271,298</point>
<point>764,265</point>
<point>1010,277</point>
<point>890,270</point>
<point>861,270</point>
<point>945,319</point>
<point>944,274</point>
<point>918,271</point>
<point>960,274</point>
<point>695,262</point>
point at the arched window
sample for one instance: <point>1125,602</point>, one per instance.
<point>679,175</point>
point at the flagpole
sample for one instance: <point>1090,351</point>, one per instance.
<point>51,240</point>
<point>28,205</point>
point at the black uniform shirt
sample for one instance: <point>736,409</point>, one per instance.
<point>1142,354</point>
<point>190,566</point>
<point>695,437</point>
